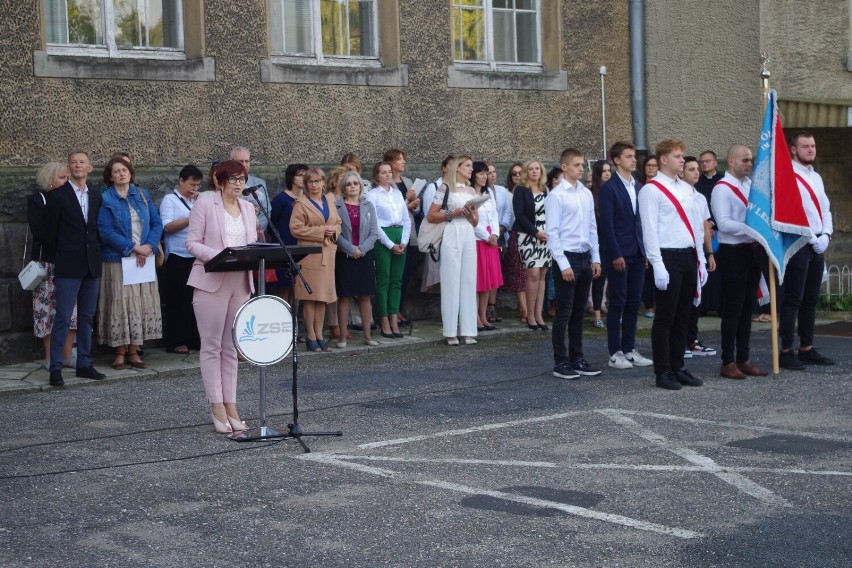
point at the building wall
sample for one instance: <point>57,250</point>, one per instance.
<point>165,124</point>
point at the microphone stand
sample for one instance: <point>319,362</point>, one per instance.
<point>294,431</point>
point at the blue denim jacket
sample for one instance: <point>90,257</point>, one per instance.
<point>114,222</point>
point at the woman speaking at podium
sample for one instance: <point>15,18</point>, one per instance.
<point>222,221</point>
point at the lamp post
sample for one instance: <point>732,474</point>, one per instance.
<point>603,107</point>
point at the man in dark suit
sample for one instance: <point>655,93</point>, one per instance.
<point>71,217</point>
<point>623,257</point>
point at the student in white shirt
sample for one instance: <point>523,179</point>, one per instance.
<point>666,208</point>
<point>572,239</point>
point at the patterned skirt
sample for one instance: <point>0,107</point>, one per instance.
<point>127,314</point>
<point>514,271</point>
<point>44,305</point>
<point>534,253</point>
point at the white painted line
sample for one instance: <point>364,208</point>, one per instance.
<point>737,480</point>
<point>331,459</point>
<point>463,431</point>
<point>571,509</point>
<point>726,424</point>
<point>453,461</point>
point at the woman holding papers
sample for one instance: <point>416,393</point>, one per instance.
<point>130,229</point>
<point>487,231</point>
<point>223,220</point>
<point>458,252</point>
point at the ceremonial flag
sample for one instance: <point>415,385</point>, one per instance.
<point>775,217</point>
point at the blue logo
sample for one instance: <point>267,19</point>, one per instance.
<point>249,334</point>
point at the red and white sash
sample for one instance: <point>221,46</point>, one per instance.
<point>812,194</point>
<point>736,191</point>
<point>679,208</point>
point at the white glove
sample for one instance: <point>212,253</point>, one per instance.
<point>821,244</point>
<point>702,276</point>
<point>661,278</point>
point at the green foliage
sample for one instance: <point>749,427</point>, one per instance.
<point>835,303</point>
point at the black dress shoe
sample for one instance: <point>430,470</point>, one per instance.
<point>56,379</point>
<point>788,360</point>
<point>687,379</point>
<point>668,381</point>
<point>490,328</point>
<point>543,327</point>
<point>814,357</point>
<point>396,335</point>
<point>90,373</point>
<point>388,335</point>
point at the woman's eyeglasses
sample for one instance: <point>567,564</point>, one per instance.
<point>237,179</point>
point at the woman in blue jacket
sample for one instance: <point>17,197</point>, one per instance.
<point>129,226</point>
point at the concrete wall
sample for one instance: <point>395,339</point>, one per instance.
<point>167,123</point>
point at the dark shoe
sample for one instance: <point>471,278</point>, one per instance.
<point>813,357</point>
<point>312,345</point>
<point>533,327</point>
<point>481,329</point>
<point>750,368</point>
<point>56,379</point>
<point>357,327</point>
<point>323,345</point>
<point>731,371</point>
<point>668,381</point>
<point>405,323</point>
<point>388,335</point>
<point>788,360</point>
<point>582,367</point>
<point>90,373</point>
<point>687,379</point>
<point>397,335</point>
<point>543,327</point>
<point>565,371</point>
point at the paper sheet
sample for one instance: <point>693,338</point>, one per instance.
<point>132,274</point>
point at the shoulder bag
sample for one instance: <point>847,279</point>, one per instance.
<point>431,234</point>
<point>34,272</point>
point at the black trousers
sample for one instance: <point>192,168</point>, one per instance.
<point>570,306</point>
<point>180,327</point>
<point>802,282</point>
<point>673,307</point>
<point>739,268</point>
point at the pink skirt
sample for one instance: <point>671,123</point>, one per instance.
<point>488,273</point>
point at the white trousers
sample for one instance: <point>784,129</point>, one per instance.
<point>458,279</point>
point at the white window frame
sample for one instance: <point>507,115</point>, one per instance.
<point>490,64</point>
<point>318,57</point>
<point>111,50</point>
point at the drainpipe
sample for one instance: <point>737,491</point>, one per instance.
<point>637,72</point>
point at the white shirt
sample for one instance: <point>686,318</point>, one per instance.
<point>82,199</point>
<point>818,227</point>
<point>662,226</point>
<point>504,206</point>
<point>171,209</point>
<point>630,185</point>
<point>429,194</point>
<point>489,219</point>
<point>390,211</point>
<point>569,213</point>
<point>729,211</point>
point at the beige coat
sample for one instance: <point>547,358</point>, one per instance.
<point>308,226</point>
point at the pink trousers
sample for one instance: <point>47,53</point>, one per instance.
<point>215,313</point>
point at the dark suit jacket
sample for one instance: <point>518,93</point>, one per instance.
<point>35,219</point>
<point>619,229</point>
<point>72,240</point>
<point>523,204</point>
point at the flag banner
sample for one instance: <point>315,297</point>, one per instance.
<point>775,217</point>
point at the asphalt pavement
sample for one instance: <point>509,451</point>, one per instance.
<point>450,456</point>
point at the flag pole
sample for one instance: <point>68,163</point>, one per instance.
<point>773,304</point>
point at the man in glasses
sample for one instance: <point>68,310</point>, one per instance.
<point>261,202</point>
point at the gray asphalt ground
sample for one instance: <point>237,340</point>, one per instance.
<point>468,456</point>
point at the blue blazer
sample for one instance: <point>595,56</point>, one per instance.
<point>619,229</point>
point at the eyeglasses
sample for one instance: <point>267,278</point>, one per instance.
<point>320,180</point>
<point>237,179</point>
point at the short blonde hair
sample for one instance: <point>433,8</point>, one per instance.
<point>49,172</point>
<point>452,180</point>
<point>333,183</point>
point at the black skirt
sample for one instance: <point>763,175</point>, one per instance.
<point>355,276</point>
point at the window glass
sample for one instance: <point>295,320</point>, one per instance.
<point>510,35</point>
<point>347,28</point>
<point>146,23</point>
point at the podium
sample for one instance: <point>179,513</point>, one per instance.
<point>260,257</point>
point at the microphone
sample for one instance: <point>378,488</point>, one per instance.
<point>251,190</point>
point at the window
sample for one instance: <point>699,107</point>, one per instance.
<point>500,33</point>
<point>115,27</point>
<point>320,29</point>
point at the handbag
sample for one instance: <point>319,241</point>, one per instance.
<point>431,234</point>
<point>34,272</point>
<point>160,254</point>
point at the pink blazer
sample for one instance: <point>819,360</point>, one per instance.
<point>206,239</point>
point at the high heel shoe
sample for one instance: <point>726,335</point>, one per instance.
<point>120,361</point>
<point>237,425</point>
<point>312,345</point>
<point>323,345</point>
<point>138,363</point>
<point>221,427</point>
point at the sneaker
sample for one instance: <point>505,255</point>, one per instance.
<point>668,381</point>
<point>699,349</point>
<point>619,361</point>
<point>564,371</point>
<point>638,360</point>
<point>813,357</point>
<point>687,354</point>
<point>599,324</point>
<point>788,360</point>
<point>582,366</point>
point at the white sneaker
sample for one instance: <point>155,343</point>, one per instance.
<point>619,361</point>
<point>638,360</point>
<point>687,354</point>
